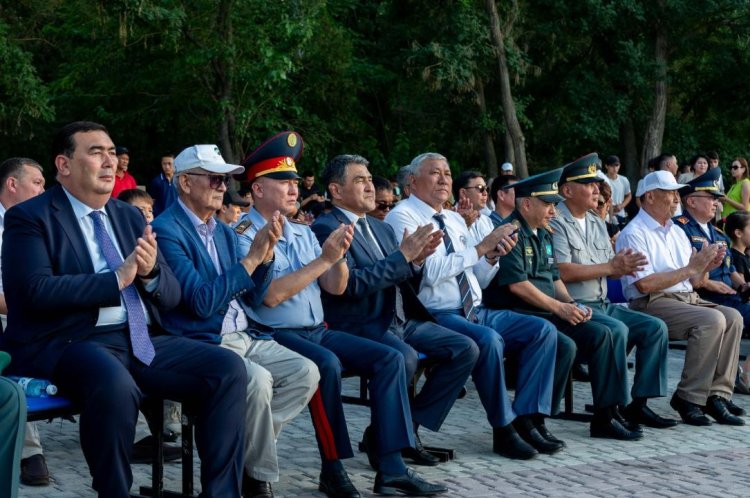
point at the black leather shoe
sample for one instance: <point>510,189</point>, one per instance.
<point>610,428</point>
<point>253,488</point>
<point>717,408</point>
<point>546,434</point>
<point>408,484</point>
<point>642,414</point>
<point>143,451</point>
<point>580,373</point>
<point>734,409</point>
<point>418,455</point>
<point>337,485</point>
<point>507,442</point>
<point>370,446</point>
<point>690,413</point>
<point>34,471</point>
<point>631,426</point>
<point>529,433</point>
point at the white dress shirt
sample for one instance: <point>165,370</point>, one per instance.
<point>666,247</point>
<point>439,288</point>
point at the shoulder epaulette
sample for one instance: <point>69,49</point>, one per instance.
<point>297,222</point>
<point>683,220</point>
<point>243,226</point>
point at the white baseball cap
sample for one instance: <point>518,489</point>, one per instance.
<point>658,180</point>
<point>206,157</point>
<point>506,167</point>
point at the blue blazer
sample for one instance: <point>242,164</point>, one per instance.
<point>205,293</point>
<point>369,302</point>
<point>52,292</point>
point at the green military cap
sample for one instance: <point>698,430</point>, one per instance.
<point>582,170</point>
<point>542,186</point>
<point>707,182</point>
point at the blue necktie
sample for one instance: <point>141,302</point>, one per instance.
<point>143,349</point>
<point>467,300</point>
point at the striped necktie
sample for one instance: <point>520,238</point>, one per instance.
<point>467,300</point>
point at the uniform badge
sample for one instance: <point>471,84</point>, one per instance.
<point>291,139</point>
<point>529,251</point>
<point>243,226</point>
<point>683,220</point>
<point>592,169</point>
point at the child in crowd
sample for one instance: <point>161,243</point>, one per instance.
<point>737,229</point>
<point>140,199</point>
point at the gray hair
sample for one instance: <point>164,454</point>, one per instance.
<point>403,176</point>
<point>416,164</point>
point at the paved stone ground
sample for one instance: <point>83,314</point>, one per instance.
<point>683,461</point>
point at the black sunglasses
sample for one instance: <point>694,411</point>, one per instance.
<point>734,166</point>
<point>482,189</point>
<point>214,181</point>
<point>384,206</point>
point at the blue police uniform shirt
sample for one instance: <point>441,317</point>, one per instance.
<point>697,237</point>
<point>296,248</point>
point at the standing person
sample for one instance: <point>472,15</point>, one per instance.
<point>506,169</point>
<point>219,286</point>
<point>63,253</point>
<point>161,187</point>
<point>379,302</point>
<point>713,162</point>
<point>451,290</point>
<point>738,196</point>
<point>21,179</point>
<point>123,179</point>
<point>311,198</point>
<point>584,256</point>
<point>620,184</point>
<point>603,208</point>
<point>12,417</point>
<point>293,308</point>
<point>698,166</point>
<point>665,288</point>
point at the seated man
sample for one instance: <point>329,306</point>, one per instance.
<point>293,308</point>
<point>379,302</point>
<point>450,290</point>
<point>530,282</point>
<point>503,197</point>
<point>585,259</point>
<point>665,288</point>
<point>214,278</point>
<point>12,418</point>
<point>384,200</point>
<point>93,266</point>
<point>471,189</point>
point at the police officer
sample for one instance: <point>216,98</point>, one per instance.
<point>530,282</point>
<point>584,255</point>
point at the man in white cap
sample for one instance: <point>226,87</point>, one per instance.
<point>665,288</point>
<point>506,169</point>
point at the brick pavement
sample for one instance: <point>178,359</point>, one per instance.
<point>684,461</point>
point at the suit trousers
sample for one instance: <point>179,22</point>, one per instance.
<point>102,376</point>
<point>650,338</point>
<point>500,332</point>
<point>280,383</point>
<point>452,357</point>
<point>12,418</point>
<point>713,334</point>
<point>333,351</point>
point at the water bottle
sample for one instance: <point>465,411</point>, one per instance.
<point>35,388</point>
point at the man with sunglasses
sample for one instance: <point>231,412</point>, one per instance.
<point>470,188</point>
<point>384,201</point>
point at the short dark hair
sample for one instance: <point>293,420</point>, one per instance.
<point>381,183</point>
<point>307,174</point>
<point>737,220</point>
<point>498,183</point>
<point>695,158</point>
<point>335,170</point>
<point>168,154</point>
<point>134,194</point>
<point>661,160</point>
<point>463,180</point>
<point>712,154</point>
<point>13,166</point>
<point>63,142</point>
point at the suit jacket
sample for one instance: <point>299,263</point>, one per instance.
<point>369,301</point>
<point>52,292</point>
<point>205,294</point>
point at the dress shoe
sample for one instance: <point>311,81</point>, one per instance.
<point>507,442</point>
<point>631,426</point>
<point>734,409</point>
<point>741,382</point>
<point>605,425</point>
<point>34,471</point>
<point>370,446</point>
<point>546,434</point>
<point>143,451</point>
<point>253,488</point>
<point>337,485</point>
<point>717,408</point>
<point>642,414</point>
<point>530,433</point>
<point>690,413</point>
<point>418,455</point>
<point>408,484</point>
<point>580,373</point>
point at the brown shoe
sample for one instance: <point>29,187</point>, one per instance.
<point>34,471</point>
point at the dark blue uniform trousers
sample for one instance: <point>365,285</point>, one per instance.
<point>102,376</point>
<point>530,339</point>
<point>332,351</point>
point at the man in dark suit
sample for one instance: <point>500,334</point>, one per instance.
<point>84,284</point>
<point>380,304</point>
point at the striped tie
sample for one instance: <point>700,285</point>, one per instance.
<point>467,300</point>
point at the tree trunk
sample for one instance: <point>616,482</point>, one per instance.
<point>655,130</point>
<point>490,159</point>
<point>631,165</point>
<point>223,68</point>
<point>506,96</point>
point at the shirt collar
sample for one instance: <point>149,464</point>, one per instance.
<point>652,224</point>
<point>352,217</point>
<point>80,209</point>
<point>422,207</point>
<point>203,228</point>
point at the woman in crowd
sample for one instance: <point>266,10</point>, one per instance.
<point>698,166</point>
<point>738,230</point>
<point>604,208</point>
<point>738,196</point>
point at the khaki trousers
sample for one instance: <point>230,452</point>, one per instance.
<point>713,333</point>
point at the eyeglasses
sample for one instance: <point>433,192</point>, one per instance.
<point>384,206</point>
<point>214,181</point>
<point>735,166</point>
<point>711,197</point>
<point>482,189</point>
